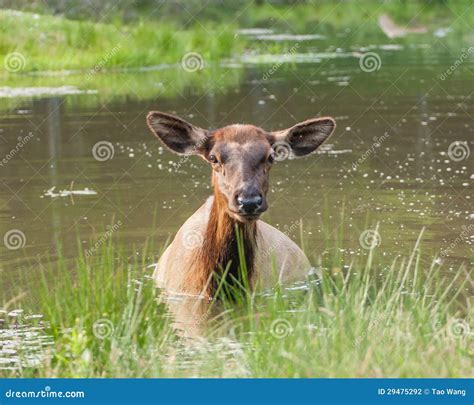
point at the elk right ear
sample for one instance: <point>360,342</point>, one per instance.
<point>178,135</point>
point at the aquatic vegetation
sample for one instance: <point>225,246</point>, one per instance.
<point>366,318</point>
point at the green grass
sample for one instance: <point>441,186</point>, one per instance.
<point>50,43</point>
<point>368,318</point>
<point>53,43</point>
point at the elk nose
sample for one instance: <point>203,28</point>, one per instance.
<point>249,204</point>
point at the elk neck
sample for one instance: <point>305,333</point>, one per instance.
<point>220,250</point>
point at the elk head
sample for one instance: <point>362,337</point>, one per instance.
<point>241,156</point>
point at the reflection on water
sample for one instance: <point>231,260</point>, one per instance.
<point>190,314</point>
<point>195,316</point>
<point>23,341</point>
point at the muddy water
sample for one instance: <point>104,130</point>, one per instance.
<point>81,166</point>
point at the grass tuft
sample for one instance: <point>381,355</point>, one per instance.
<point>364,320</point>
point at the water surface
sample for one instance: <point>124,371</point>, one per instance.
<point>400,156</point>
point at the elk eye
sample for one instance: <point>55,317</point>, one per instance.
<point>271,158</point>
<point>213,159</point>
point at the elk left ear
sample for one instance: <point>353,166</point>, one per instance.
<point>304,138</point>
<point>177,134</point>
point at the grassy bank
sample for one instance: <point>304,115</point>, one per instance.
<point>164,35</point>
<point>369,319</point>
<point>53,43</point>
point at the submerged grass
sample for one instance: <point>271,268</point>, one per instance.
<point>364,320</point>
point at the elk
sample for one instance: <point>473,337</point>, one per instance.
<point>241,157</point>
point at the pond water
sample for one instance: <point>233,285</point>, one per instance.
<point>85,166</point>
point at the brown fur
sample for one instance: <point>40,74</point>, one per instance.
<point>241,157</point>
<point>220,250</point>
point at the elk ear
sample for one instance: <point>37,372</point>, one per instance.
<point>304,138</point>
<point>177,134</point>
